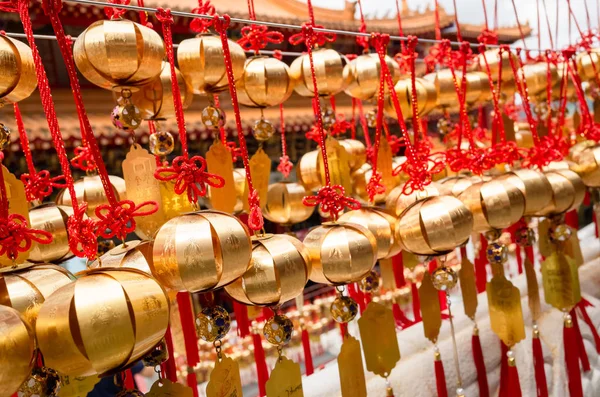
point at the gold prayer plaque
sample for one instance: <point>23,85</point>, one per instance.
<point>430,308</point>
<point>350,366</point>
<point>260,170</point>
<point>561,281</point>
<point>386,267</point>
<point>17,204</point>
<point>218,161</point>
<point>533,291</point>
<point>285,379</point>
<point>409,260</point>
<point>338,161</point>
<point>225,379</point>
<point>468,287</point>
<point>506,315</point>
<point>166,388</point>
<point>385,165</point>
<point>378,334</point>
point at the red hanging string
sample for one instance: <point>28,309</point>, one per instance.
<point>482,382</point>
<point>399,17</point>
<point>438,29</point>
<point>586,318</point>
<point>571,359</point>
<point>186,315</point>
<point>308,361</point>
<point>440,376</point>
<point>128,381</point>
<point>362,41</point>
<point>241,317</point>
<point>255,219</point>
<point>169,367</point>
<point>458,35</point>
<point>262,373</point>
<point>588,127</point>
<point>416,303</point>
<point>581,352</point>
<point>481,264</point>
<point>514,386</point>
<point>538,365</point>
<point>519,26</point>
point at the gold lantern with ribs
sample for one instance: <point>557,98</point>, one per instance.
<point>284,203</point>
<point>362,75</point>
<point>568,192</point>
<point>53,219</point>
<point>396,202</point>
<point>426,98</point>
<point>17,347</point>
<point>586,158</point>
<point>329,73</point>
<point>534,186</point>
<point>380,224</point>
<point>18,78</point>
<point>89,189</point>
<point>265,82</point>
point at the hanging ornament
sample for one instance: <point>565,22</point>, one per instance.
<point>356,152</point>
<point>587,163</point>
<point>426,95</point>
<point>53,219</point>
<point>329,73</point>
<point>126,116</point>
<point>446,91</point>
<point>133,254</point>
<point>42,382</point>
<point>534,186</point>
<point>588,64</point>
<point>126,307</point>
<point>161,143</point>
<point>455,185</point>
<point>17,344</point>
<point>396,202</point>
<point>568,192</point>
<point>380,224</point>
<point>538,76</point>
<point>497,66</point>
<point>363,73</point>
<point>362,176</point>
<point>18,73</point>
<point>311,171</point>
<point>284,204</point>
<point>89,189</point>
<point>265,82</point>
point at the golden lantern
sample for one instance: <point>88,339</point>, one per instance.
<point>426,98</point>
<point>119,54</point>
<point>90,190</point>
<point>329,72</point>
<point>18,78</point>
<point>134,254</point>
<point>523,135</point>
<point>155,99</point>
<point>380,224</point>
<point>493,60</point>
<point>588,64</point>
<point>535,188</point>
<point>202,62</point>
<point>495,204</point>
<point>105,321</point>
<point>396,201</point>
<point>340,253</point>
<point>17,345</point>
<point>284,203</point>
<point>356,151</point>
<point>53,219</point>
<point>536,76</point>
<point>446,92</point>
<point>265,82</point>
<point>455,185</point>
<point>278,272</point>
<point>201,251</point>
<point>434,226</point>
<point>586,156</point>
<point>363,74</point>
<point>479,82</point>
<point>25,287</point>
<point>311,173</point>
<point>307,172</point>
<point>362,176</point>
<point>568,192</point>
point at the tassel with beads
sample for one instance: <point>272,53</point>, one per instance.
<point>308,361</point>
<point>538,364</point>
<point>571,359</point>
<point>440,376</point>
<point>479,364</point>
<point>262,373</point>
<point>513,386</point>
<point>186,314</point>
<point>241,317</point>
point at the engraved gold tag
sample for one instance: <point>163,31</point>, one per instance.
<point>379,341</point>
<point>285,379</point>
<point>385,166</point>
<point>338,161</point>
<point>509,128</point>
<point>545,246</point>
<point>572,248</point>
<point>218,161</point>
<point>506,315</point>
<point>468,287</point>
<point>260,169</point>
<point>350,366</point>
<point>409,260</point>
<point>173,204</point>
<point>561,281</point>
<point>430,308</point>
<point>166,388</point>
<point>138,173</point>
<point>533,290</point>
<point>386,267</point>
<point>76,387</point>
<point>17,204</point>
<point>225,379</point>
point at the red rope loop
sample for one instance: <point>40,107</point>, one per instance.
<point>285,165</point>
<point>9,6</point>
<point>375,186</point>
<point>83,159</point>
<point>257,37</point>
<point>488,37</point>
<point>40,185</point>
<point>201,25</point>
<point>82,233</point>
<point>119,220</point>
<point>116,12</point>
<point>332,200</point>
<point>16,237</point>
<point>318,38</point>
<point>255,218</point>
<point>189,176</point>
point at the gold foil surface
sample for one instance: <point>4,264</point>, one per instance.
<point>430,308</point>
<point>362,75</point>
<point>18,78</point>
<point>284,203</point>
<point>89,189</point>
<point>53,219</point>
<point>285,379</point>
<point>506,315</point>
<point>265,82</point>
<point>218,160</point>
<point>329,72</point>
<point>561,281</point>
<point>260,169</point>
<point>568,192</point>
<point>468,287</point>
<point>535,188</point>
<point>166,388</point>
<point>225,379</point>
<point>379,341</point>
<point>357,152</point>
<point>17,204</point>
<point>380,224</point>
<point>396,202</point>
<point>533,290</point>
<point>338,162</point>
<point>17,344</point>
<point>350,367</point>
<point>385,165</point>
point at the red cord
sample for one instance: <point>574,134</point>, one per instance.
<point>482,381</point>
<point>285,165</point>
<point>399,17</point>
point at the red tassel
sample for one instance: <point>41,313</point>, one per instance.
<point>571,360</point>
<point>590,324</point>
<point>513,237</point>
<point>595,220</point>
<point>440,376</point>
<point>587,200</point>
<point>261,365</point>
<point>398,266</point>
<point>585,362</point>
<point>479,365</point>
<point>416,304</point>
<point>358,296</point>
<point>503,370</point>
<point>514,386</point>
<point>128,381</point>
<point>538,365</point>
<point>572,219</point>
<point>401,320</point>
<point>186,314</point>
<point>480,265</point>
<point>343,330</point>
<point>241,317</point>
<point>308,361</point>
<point>168,367</point>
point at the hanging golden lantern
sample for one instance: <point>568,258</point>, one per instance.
<point>426,98</point>
<point>434,226</point>
<point>495,204</point>
<point>119,54</point>
<point>523,135</point>
<point>380,224</point>
<point>479,82</point>
<point>307,172</point>
<point>571,91</point>
<point>493,60</point>
<point>278,271</point>
<point>155,99</point>
<point>90,190</point>
<point>536,76</point>
<point>356,151</point>
<point>265,82</point>
<point>133,254</point>
<point>18,79</point>
<point>446,92</point>
<point>105,321</point>
<point>17,345</point>
<point>25,287</point>
<point>340,253</point>
<point>586,156</point>
<point>363,74</point>
<point>329,72</point>
<point>284,203</point>
<point>455,185</point>
<point>588,64</point>
<point>568,192</point>
<point>535,188</point>
<point>53,219</point>
<point>201,251</point>
<point>362,176</point>
<point>311,173</point>
<point>396,201</point>
<point>202,62</point>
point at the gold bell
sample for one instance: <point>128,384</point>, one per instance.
<point>213,117</point>
<point>18,344</point>
<point>263,130</point>
<point>18,79</point>
<point>161,143</point>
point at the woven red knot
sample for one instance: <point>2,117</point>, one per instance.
<point>506,152</point>
<point>116,12</point>
<point>395,143</point>
<point>457,159</point>
<point>277,54</point>
<point>201,25</point>
<point>236,152</point>
<point>255,218</point>
<point>418,176</point>
<point>511,110</point>
<point>51,6</point>
<point>83,159</point>
<point>119,220</point>
<point>590,130</point>
<point>587,40</point>
<point>16,236</point>
<point>543,153</point>
<point>438,54</point>
<point>285,166</point>
<point>480,133</point>
<point>164,15</point>
<point>363,41</point>
<point>488,36</point>
<point>189,175</point>
<point>332,200</point>
<point>39,185</point>
<point>375,186</point>
<point>340,125</point>
<point>313,134</point>
<point>408,55</point>
<point>257,37</point>
<point>308,33</point>
<point>83,241</point>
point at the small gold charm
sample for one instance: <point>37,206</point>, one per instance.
<point>285,379</point>
<point>468,287</point>
<point>166,388</point>
<point>225,379</point>
<point>561,281</point>
<point>506,315</point>
<point>378,334</point>
<point>218,160</point>
<point>213,323</point>
<point>350,366</point>
<point>260,169</point>
<point>430,308</point>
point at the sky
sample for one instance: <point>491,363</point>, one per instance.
<point>471,11</point>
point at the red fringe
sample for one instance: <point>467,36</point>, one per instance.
<point>503,370</point>
<point>585,362</point>
<point>484,390</point>
<point>262,373</point>
<point>513,236</point>
<point>401,320</point>
<point>538,365</point>
<point>358,296</point>
<point>514,386</point>
<point>308,361</point>
<point>186,314</point>
<point>572,219</point>
<point>587,199</point>
<point>241,317</point>
<point>416,304</point>
<point>168,367</point>
<point>398,266</point>
<point>480,265</point>
<point>572,362</point>
<point>590,324</point>
<point>440,378</point>
<point>128,381</point>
